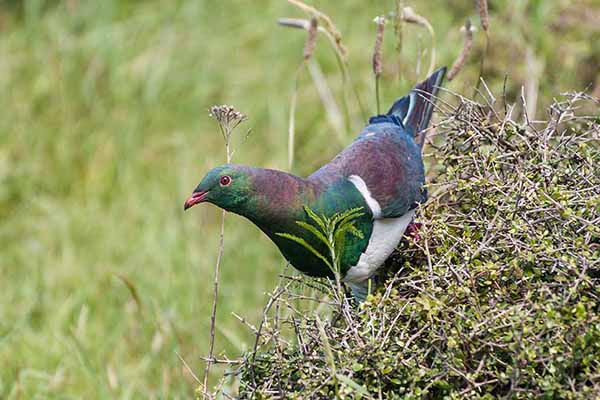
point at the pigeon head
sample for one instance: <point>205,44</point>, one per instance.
<point>227,186</point>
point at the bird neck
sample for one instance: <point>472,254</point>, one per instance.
<point>277,200</point>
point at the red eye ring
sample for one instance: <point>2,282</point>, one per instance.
<point>225,180</point>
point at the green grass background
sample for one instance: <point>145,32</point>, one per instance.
<point>104,131</point>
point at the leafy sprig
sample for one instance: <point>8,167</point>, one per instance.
<point>331,231</point>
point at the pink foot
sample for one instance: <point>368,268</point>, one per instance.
<point>412,231</point>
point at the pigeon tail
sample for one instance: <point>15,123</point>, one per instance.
<point>414,110</point>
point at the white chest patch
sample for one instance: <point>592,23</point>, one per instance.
<point>385,236</point>
<point>366,193</point>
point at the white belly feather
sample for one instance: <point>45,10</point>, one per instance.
<point>385,236</point>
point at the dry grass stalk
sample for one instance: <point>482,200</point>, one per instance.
<point>484,20</point>
<point>300,23</point>
<point>464,54</point>
<point>534,69</point>
<point>327,27</point>
<point>484,14</point>
<point>377,57</point>
<point>297,23</point>
<point>228,119</point>
<point>325,21</point>
<point>396,16</point>
<point>377,63</point>
<point>292,119</point>
<point>311,39</point>
<point>187,368</point>
<point>398,24</point>
<point>333,112</point>
<point>321,23</point>
<point>312,27</point>
<point>410,16</point>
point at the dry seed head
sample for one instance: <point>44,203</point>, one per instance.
<point>380,20</point>
<point>409,15</point>
<point>483,14</point>
<point>462,58</point>
<point>326,23</point>
<point>377,63</point>
<point>311,39</point>
<point>227,117</point>
<point>468,27</point>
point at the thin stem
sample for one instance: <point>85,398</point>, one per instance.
<point>377,57</point>
<point>462,58</point>
<point>292,120</point>
<point>334,38</point>
<point>377,94</point>
<point>408,15</point>
<point>228,119</point>
<point>336,265</point>
<point>213,315</point>
<point>482,62</point>
<point>333,113</point>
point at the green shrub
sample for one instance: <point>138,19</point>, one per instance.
<point>500,296</point>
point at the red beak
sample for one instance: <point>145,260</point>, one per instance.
<point>195,198</point>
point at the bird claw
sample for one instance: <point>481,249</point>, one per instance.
<point>412,231</point>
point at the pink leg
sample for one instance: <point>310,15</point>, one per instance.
<point>412,231</point>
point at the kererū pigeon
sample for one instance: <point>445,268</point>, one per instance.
<point>381,172</point>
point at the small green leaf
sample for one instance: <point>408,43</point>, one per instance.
<point>315,218</point>
<point>319,235</point>
<point>306,245</point>
<point>353,385</point>
<point>326,345</point>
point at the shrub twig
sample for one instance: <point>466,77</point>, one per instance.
<point>500,299</point>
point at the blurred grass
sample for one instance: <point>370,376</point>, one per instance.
<point>105,132</point>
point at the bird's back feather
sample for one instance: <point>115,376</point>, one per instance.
<point>387,153</point>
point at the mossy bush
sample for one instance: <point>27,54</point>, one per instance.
<point>500,295</point>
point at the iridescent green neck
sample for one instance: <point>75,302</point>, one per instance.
<point>276,199</point>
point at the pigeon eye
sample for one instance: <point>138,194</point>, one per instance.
<point>225,180</point>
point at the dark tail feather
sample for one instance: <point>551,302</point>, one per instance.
<point>415,109</point>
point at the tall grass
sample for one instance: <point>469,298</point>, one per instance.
<point>103,135</point>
